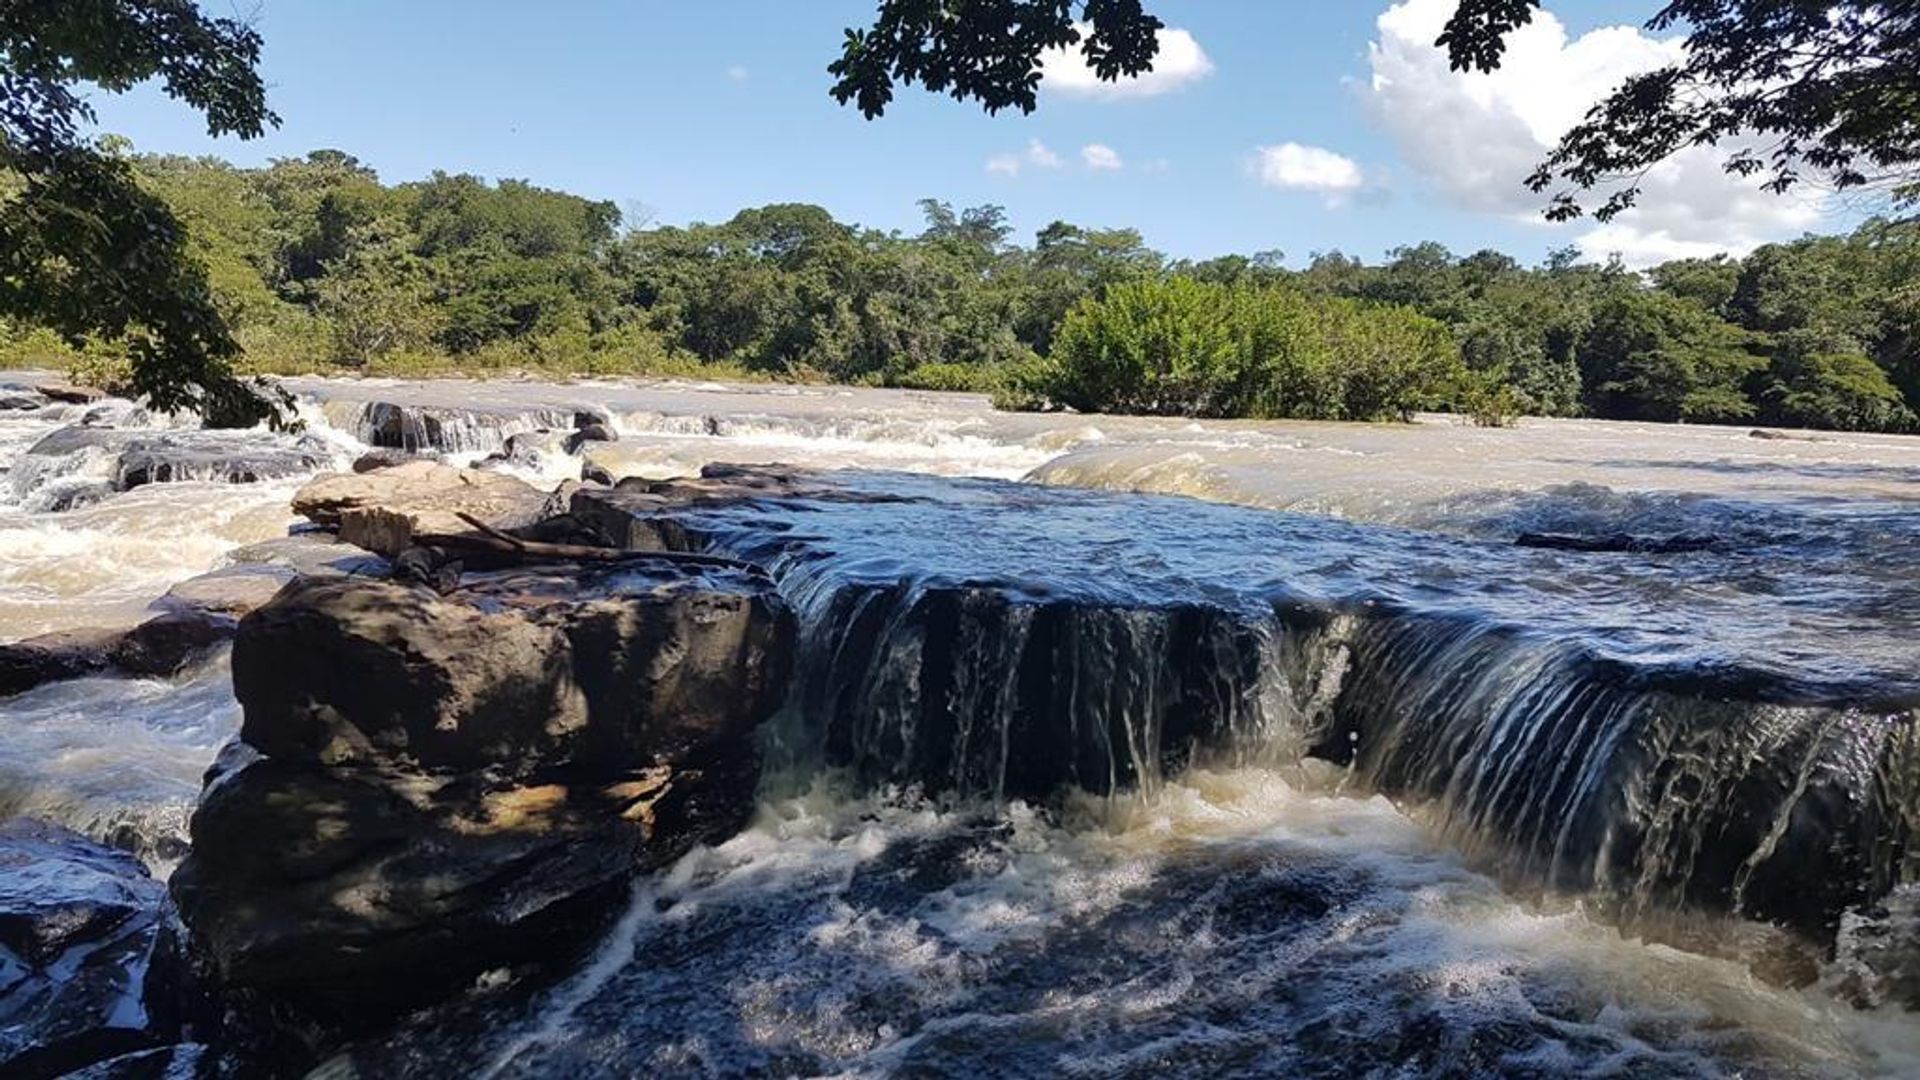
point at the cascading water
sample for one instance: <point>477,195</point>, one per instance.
<point>1082,785</point>
<point>997,640</point>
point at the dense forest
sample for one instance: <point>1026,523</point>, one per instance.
<point>319,266</point>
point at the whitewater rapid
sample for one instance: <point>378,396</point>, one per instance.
<point>1255,915</point>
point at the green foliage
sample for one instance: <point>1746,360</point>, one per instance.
<point>1653,356</point>
<point>969,378</point>
<point>313,265</point>
<point>84,249</point>
<point>1811,382</point>
<point>1818,90</point>
<point>1181,347</point>
<point>1803,91</point>
<point>988,50</point>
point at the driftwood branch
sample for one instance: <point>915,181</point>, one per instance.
<point>497,534</point>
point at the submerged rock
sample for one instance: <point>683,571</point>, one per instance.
<point>78,926</point>
<point>431,788</point>
<point>1624,543</point>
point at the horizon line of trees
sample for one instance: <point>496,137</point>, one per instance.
<point>317,265</point>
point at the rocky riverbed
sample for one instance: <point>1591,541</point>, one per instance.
<point>549,742</point>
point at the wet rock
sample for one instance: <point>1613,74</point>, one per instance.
<point>645,515</point>
<point>78,926</point>
<point>166,644</point>
<point>139,458</point>
<point>1624,543</point>
<point>355,669</point>
<point>411,427</point>
<point>312,554</point>
<point>231,592</point>
<point>595,432</point>
<point>1764,433</point>
<point>75,496</point>
<point>429,788</point>
<point>15,397</point>
<point>382,511</point>
<point>592,472</point>
<point>44,658</point>
<point>180,1061</point>
<point>387,458</point>
<point>163,646</point>
<point>528,448</point>
<point>69,394</point>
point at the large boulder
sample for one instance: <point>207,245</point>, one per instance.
<point>383,510</point>
<point>78,926</point>
<point>429,788</point>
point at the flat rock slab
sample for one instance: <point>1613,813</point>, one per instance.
<point>383,509</point>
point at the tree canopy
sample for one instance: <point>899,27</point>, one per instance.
<point>84,250</point>
<point>317,265</point>
<point>1801,91</point>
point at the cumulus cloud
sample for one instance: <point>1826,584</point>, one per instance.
<point>1037,154</point>
<point>1293,167</point>
<point>1476,136</point>
<point>1179,62</point>
<point>1099,157</point>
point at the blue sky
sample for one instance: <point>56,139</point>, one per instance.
<point>1308,126</point>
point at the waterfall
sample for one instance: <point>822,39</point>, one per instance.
<point>960,643</point>
<point>449,430</point>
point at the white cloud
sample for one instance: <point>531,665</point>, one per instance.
<point>1476,136</point>
<point>737,74</point>
<point>1293,167</point>
<point>1179,62</point>
<point>1099,156</point>
<point>1037,154</point>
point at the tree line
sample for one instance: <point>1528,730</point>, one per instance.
<point>316,265</point>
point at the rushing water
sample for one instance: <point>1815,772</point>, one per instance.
<point>1254,913</point>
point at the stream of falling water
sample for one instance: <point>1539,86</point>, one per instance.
<point>1244,919</point>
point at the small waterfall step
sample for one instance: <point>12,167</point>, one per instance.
<point>1662,749</point>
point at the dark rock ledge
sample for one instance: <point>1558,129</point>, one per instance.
<point>434,791</point>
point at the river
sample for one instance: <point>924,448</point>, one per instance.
<point>1259,914</point>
